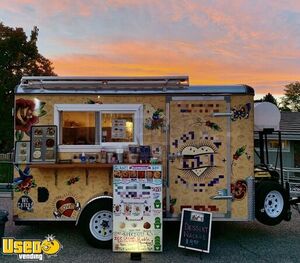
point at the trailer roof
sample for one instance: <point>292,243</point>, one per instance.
<point>122,85</point>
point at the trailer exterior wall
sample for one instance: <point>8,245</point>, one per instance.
<point>98,182</point>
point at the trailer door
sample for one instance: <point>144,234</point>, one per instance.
<point>199,166</point>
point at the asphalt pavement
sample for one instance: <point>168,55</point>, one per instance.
<point>230,242</point>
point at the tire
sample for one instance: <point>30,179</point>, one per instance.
<point>96,223</point>
<point>271,203</point>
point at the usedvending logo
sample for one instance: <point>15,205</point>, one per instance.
<point>33,250</point>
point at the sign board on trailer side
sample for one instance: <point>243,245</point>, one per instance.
<point>137,208</point>
<point>195,230</point>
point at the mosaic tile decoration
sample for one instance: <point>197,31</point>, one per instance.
<point>186,188</point>
<point>217,144</point>
<point>215,181</point>
<point>198,107</point>
<point>191,136</point>
<point>184,138</point>
<point>214,139</point>
<point>181,180</point>
<point>198,187</point>
<point>197,160</point>
<point>208,208</point>
<point>191,162</point>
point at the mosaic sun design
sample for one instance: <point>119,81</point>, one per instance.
<point>198,160</point>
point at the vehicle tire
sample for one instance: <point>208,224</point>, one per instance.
<point>96,223</point>
<point>271,203</point>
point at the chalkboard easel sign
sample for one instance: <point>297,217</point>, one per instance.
<point>195,230</point>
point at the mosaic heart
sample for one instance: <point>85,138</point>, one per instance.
<point>199,171</point>
<point>192,150</point>
<point>197,160</point>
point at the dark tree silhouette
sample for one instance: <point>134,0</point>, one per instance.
<point>291,98</point>
<point>19,56</point>
<point>270,98</point>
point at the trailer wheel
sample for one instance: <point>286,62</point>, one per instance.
<point>271,203</point>
<point>96,223</point>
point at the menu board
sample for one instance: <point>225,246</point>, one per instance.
<point>118,129</point>
<point>22,152</point>
<point>43,143</point>
<point>137,208</point>
<point>195,230</point>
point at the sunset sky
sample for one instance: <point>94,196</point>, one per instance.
<point>256,42</point>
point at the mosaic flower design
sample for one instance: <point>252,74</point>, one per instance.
<point>239,189</point>
<point>156,121</point>
<point>73,180</point>
<point>27,114</point>
<point>239,152</point>
<point>212,125</point>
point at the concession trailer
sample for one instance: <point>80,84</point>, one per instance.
<point>189,146</point>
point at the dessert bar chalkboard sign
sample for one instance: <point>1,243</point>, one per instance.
<point>195,230</point>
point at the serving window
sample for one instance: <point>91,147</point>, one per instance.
<point>117,127</point>
<point>86,127</point>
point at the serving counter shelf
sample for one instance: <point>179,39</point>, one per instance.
<point>70,165</point>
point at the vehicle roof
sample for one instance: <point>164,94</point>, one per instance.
<point>123,85</point>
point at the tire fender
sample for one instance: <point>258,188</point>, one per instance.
<point>93,199</point>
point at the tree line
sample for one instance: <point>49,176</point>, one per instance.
<point>19,56</point>
<point>290,100</point>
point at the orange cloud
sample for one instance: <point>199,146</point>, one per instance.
<point>214,42</point>
<point>175,58</point>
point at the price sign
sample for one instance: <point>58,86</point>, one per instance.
<point>137,208</point>
<point>195,230</point>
